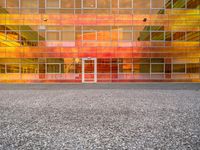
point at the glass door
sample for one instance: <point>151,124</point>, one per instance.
<point>89,70</point>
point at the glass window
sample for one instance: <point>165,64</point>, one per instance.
<point>104,68</point>
<point>193,68</point>
<point>10,60</point>
<point>53,68</point>
<point>89,3</point>
<point>52,36</point>
<point>103,3</point>
<point>141,4</point>
<point>168,68</point>
<point>157,3</point>
<point>125,68</point>
<point>157,68</point>
<point>193,36</point>
<point>68,36</point>
<point>157,28</point>
<point>29,60</point>
<point>168,4</point>
<point>2,3</point>
<point>29,68</point>
<point>29,4</point>
<point>144,36</point>
<point>12,3</point>
<point>52,3</point>
<point>12,68</point>
<point>30,35</point>
<point>141,68</point>
<point>12,35</point>
<point>157,60</point>
<point>125,36</point>
<point>125,3</point>
<point>89,35</point>
<point>67,68</point>
<point>193,4</point>
<point>55,60</point>
<point>179,36</point>
<point>168,36</point>
<point>67,3</point>
<point>157,36</point>
<point>179,68</point>
<point>179,3</point>
<point>2,68</point>
<point>141,60</point>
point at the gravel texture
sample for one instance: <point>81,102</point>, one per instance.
<point>102,117</point>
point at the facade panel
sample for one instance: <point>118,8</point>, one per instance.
<point>99,40</point>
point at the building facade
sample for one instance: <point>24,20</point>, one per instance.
<point>99,40</point>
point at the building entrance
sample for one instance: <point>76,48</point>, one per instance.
<point>89,70</point>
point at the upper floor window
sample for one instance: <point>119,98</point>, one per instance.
<point>125,3</point>
<point>29,4</point>
<point>12,3</point>
<point>193,4</point>
<point>2,3</point>
<point>157,3</point>
<point>179,3</point>
<point>67,3</point>
<point>52,3</point>
<point>89,3</point>
<point>104,3</point>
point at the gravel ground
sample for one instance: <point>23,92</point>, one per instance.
<point>85,117</point>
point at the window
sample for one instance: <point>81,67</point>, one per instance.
<point>125,68</point>
<point>12,68</point>
<point>168,36</point>
<point>157,3</point>
<point>179,3</point>
<point>179,68</point>
<point>141,68</point>
<point>67,3</point>
<point>157,68</point>
<point>89,3</point>
<point>67,68</point>
<point>2,3</point>
<point>144,36</point>
<point>53,68</point>
<point>179,36</point>
<point>30,35</point>
<point>157,36</point>
<point>53,36</point>
<point>168,4</point>
<point>193,36</point>
<point>125,3</point>
<point>141,4</point>
<point>103,3</point>
<point>103,68</point>
<point>12,3</point>
<point>29,68</point>
<point>2,68</point>
<point>12,35</point>
<point>193,4</point>
<point>52,3</point>
<point>125,36</point>
<point>193,68</point>
<point>89,35</point>
<point>29,4</point>
<point>55,60</point>
<point>157,60</point>
<point>168,68</point>
<point>68,36</point>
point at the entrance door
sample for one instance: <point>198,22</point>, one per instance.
<point>89,70</point>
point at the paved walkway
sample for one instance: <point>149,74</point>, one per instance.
<point>100,116</point>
